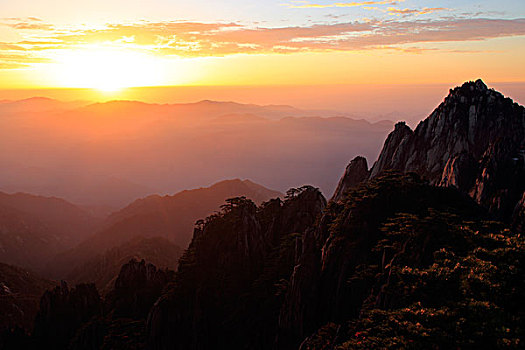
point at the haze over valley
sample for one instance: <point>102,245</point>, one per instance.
<point>109,154</point>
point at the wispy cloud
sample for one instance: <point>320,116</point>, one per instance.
<point>423,11</point>
<point>28,23</point>
<point>196,39</point>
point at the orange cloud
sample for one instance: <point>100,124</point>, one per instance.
<point>424,11</point>
<point>194,39</point>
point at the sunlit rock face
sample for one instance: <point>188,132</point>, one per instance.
<point>474,141</point>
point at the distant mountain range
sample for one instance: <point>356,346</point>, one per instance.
<point>109,154</point>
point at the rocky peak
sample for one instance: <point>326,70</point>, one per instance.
<point>392,153</point>
<point>136,274</point>
<point>355,173</point>
<point>137,287</point>
<point>474,141</point>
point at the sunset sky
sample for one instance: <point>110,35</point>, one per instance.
<point>111,45</point>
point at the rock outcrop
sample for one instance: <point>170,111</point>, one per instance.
<point>355,173</point>
<point>474,141</point>
<point>137,287</point>
<point>392,155</point>
<point>78,318</point>
<point>105,268</point>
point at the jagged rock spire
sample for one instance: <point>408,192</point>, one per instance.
<point>355,173</point>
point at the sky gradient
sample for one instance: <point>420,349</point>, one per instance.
<point>110,45</point>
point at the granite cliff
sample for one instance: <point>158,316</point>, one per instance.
<point>473,141</point>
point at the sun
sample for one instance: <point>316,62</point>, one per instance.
<point>107,70</point>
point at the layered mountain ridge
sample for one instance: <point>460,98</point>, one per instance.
<point>169,217</point>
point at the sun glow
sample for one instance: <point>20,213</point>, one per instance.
<point>107,70</point>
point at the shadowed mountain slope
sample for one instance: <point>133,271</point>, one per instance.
<point>33,229</point>
<point>20,292</point>
<point>170,217</point>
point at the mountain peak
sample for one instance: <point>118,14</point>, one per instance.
<point>477,85</point>
<point>402,126</point>
<point>481,85</point>
<point>472,91</point>
<point>355,173</point>
<point>474,141</point>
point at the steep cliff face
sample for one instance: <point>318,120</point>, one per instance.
<point>392,155</point>
<point>474,141</point>
<point>355,173</point>
<point>230,281</point>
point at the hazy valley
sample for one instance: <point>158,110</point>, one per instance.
<point>106,155</point>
